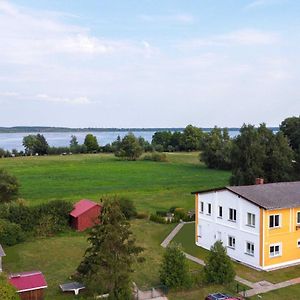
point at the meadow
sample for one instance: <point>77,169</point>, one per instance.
<point>151,185</point>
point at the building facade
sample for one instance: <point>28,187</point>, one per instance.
<point>258,224</point>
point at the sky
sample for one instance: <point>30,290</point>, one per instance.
<point>149,63</point>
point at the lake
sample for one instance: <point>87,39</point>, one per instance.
<point>9,141</point>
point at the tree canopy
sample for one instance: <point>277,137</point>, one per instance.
<point>9,187</point>
<point>91,143</point>
<point>129,147</point>
<point>218,268</point>
<point>258,152</point>
<point>7,291</point>
<point>108,261</point>
<point>35,144</point>
<point>174,268</point>
<point>216,149</point>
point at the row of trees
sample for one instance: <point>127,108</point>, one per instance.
<point>256,152</point>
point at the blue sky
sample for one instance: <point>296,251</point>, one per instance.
<point>149,63</point>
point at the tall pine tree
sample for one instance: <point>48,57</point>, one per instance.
<point>108,261</point>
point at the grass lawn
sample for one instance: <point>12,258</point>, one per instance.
<point>151,185</point>
<point>59,256</point>
<point>186,237</point>
<point>289,293</point>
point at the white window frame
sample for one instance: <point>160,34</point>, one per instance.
<point>232,240</point>
<point>298,243</point>
<point>279,252</point>
<point>201,207</point>
<point>233,214</point>
<point>279,221</point>
<point>252,219</point>
<point>251,244</point>
<point>220,208</point>
<point>298,212</point>
<point>209,207</point>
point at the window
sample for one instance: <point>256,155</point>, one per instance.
<point>298,217</point>
<point>275,250</point>
<point>209,209</point>
<point>220,212</point>
<point>251,219</point>
<point>298,243</point>
<point>231,242</point>
<point>274,221</point>
<point>250,248</point>
<point>232,214</point>
<point>201,207</point>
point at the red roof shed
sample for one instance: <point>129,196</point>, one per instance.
<point>85,214</point>
<point>29,285</point>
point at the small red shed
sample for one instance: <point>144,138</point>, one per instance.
<point>29,285</point>
<point>85,214</point>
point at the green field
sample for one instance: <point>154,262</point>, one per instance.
<point>58,257</point>
<point>151,185</point>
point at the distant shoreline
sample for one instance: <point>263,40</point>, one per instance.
<point>27,129</point>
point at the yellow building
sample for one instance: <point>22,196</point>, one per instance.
<point>259,224</point>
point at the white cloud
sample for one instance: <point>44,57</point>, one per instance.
<point>76,100</point>
<point>260,3</point>
<point>243,37</point>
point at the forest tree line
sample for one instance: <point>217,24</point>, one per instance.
<point>254,152</point>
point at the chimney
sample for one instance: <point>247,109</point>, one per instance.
<point>259,181</point>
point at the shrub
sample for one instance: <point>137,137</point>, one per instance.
<point>157,219</point>
<point>10,233</point>
<point>142,215</point>
<point>128,208</point>
<point>31,217</point>
<point>156,156</point>
<point>7,291</point>
<point>161,213</point>
<point>9,187</point>
<point>180,213</point>
<point>24,216</point>
<point>58,210</point>
<point>174,268</point>
<point>219,268</point>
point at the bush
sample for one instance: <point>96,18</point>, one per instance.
<point>161,213</point>
<point>31,217</point>
<point>156,156</point>
<point>142,215</point>
<point>174,268</point>
<point>24,216</point>
<point>10,233</point>
<point>219,268</point>
<point>7,291</point>
<point>127,208</point>
<point>157,219</point>
<point>9,187</point>
<point>180,213</point>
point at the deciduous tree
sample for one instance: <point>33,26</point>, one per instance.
<point>9,187</point>
<point>129,148</point>
<point>91,143</point>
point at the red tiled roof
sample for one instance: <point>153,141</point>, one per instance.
<point>28,281</point>
<point>82,206</point>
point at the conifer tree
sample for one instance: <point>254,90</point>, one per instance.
<point>219,268</point>
<point>108,261</point>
